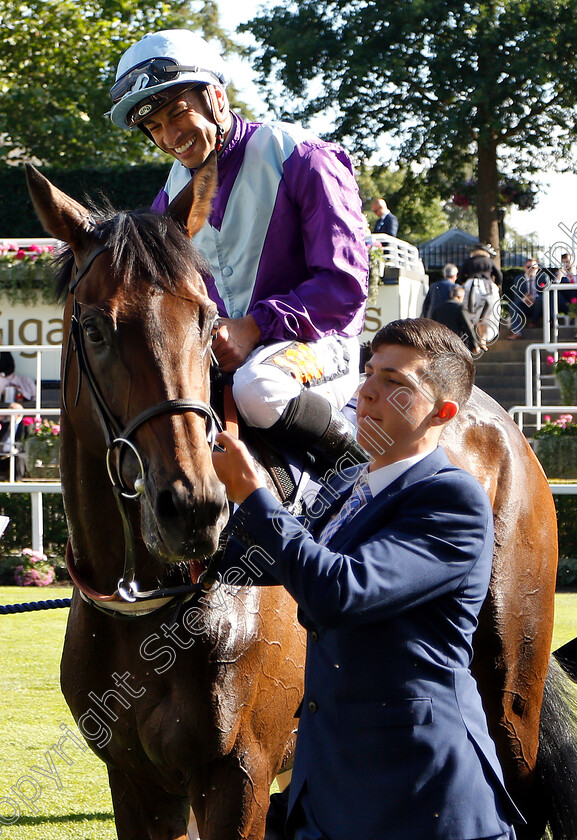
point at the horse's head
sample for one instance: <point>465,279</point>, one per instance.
<point>136,362</point>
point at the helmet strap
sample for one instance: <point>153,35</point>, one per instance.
<point>217,117</point>
<point>219,138</point>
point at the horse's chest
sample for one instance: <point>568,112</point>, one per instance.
<point>140,692</point>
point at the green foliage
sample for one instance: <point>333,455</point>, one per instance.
<point>57,64</point>
<point>567,572</point>
<point>125,188</point>
<point>483,88</point>
<point>567,525</point>
<point>410,196</point>
<point>441,74</point>
<point>17,535</point>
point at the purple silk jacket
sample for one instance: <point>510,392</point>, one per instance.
<point>285,238</point>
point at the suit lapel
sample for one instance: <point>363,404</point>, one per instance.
<point>430,465</point>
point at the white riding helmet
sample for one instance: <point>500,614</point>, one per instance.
<point>160,60</point>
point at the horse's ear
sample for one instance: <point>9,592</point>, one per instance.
<point>61,216</point>
<point>191,206</point>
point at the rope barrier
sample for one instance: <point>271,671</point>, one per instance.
<point>33,606</point>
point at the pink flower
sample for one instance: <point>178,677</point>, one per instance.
<point>28,552</point>
<point>547,418</point>
<point>28,421</point>
<point>55,429</point>
<point>20,254</point>
<point>573,300</point>
<point>550,360</point>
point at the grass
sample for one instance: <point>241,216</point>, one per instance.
<point>31,709</point>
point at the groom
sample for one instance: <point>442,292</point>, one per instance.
<point>393,740</point>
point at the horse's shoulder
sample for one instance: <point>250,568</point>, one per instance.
<point>484,440</point>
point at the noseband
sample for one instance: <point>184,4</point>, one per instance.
<point>118,438</point>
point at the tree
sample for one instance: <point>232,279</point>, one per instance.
<point>415,202</point>
<point>57,64</point>
<point>489,84</point>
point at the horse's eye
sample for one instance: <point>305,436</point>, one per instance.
<point>92,332</point>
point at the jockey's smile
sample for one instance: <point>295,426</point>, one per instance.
<point>185,127</point>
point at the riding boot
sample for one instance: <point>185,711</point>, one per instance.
<point>311,424</point>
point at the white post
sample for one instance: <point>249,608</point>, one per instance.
<point>37,522</point>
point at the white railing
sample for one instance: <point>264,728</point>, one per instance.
<point>550,296</point>
<point>533,396</point>
<point>399,254</point>
<point>35,488</point>
<point>26,243</point>
<point>533,371</point>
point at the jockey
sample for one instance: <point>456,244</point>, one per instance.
<point>284,241</point>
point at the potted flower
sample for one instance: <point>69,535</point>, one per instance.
<point>42,447</point>
<point>555,444</point>
<point>34,569</point>
<point>565,370</point>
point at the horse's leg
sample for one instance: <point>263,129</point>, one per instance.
<point>233,801</point>
<point>143,811</point>
<point>557,756</point>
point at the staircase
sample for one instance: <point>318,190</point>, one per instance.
<point>500,372</point>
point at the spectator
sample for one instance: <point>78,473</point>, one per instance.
<point>11,437</point>
<point>440,291</point>
<point>13,385</point>
<point>386,221</point>
<point>452,314</point>
<point>482,280</point>
<point>566,274</point>
<point>525,302</point>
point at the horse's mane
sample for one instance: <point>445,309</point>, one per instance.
<point>146,245</point>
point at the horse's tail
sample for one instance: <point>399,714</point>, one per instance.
<point>557,754</point>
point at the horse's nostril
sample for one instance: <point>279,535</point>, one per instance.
<point>165,505</point>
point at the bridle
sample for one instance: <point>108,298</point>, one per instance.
<point>118,438</point>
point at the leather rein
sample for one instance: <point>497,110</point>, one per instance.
<point>116,437</point>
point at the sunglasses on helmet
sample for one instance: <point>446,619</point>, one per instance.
<point>152,72</point>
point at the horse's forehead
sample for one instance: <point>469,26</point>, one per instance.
<point>140,296</point>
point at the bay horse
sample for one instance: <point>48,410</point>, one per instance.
<point>187,691</point>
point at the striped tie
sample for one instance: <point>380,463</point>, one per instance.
<point>359,497</point>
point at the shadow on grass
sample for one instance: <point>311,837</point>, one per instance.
<point>63,818</point>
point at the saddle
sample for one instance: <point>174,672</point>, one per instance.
<point>288,473</point>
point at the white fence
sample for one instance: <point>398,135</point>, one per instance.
<point>34,487</point>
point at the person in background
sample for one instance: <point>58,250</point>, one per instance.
<point>393,741</point>
<point>386,221</point>
<point>13,384</point>
<point>482,279</point>
<point>440,291</point>
<point>524,301</point>
<point>566,274</point>
<point>284,241</point>
<point>11,437</point>
<point>452,314</point>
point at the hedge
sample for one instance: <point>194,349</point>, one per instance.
<point>126,189</point>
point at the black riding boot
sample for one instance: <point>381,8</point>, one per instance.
<point>310,423</point>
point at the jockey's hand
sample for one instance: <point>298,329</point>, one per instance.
<point>234,340</point>
<point>236,468</point>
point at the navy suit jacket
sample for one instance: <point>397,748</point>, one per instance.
<point>392,741</point>
<point>387,224</point>
<point>438,293</point>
